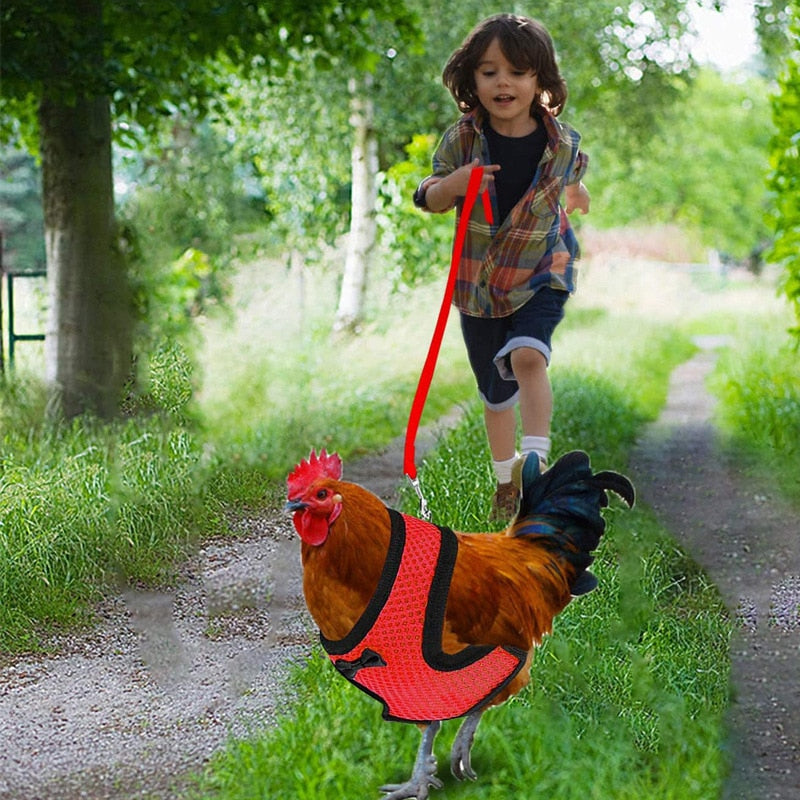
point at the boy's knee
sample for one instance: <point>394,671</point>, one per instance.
<point>527,359</point>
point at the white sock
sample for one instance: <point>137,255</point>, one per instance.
<point>536,444</point>
<point>503,469</point>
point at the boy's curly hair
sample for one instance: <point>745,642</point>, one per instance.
<point>525,42</point>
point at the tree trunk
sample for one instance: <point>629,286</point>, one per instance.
<point>361,239</point>
<point>88,334</point>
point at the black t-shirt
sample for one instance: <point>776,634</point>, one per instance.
<point>519,157</point>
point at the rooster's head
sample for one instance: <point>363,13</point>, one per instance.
<point>313,500</point>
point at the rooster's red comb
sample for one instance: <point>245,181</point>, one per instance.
<point>309,470</point>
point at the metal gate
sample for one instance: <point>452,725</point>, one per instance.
<point>12,336</point>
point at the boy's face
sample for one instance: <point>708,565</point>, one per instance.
<point>506,92</point>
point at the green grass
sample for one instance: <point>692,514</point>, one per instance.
<point>85,506</point>
<point>281,384</point>
<point>337,746</point>
<point>626,697</point>
<point>89,506</point>
<point>758,386</point>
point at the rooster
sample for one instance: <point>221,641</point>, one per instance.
<point>438,624</point>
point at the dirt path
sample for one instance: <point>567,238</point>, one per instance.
<point>162,681</point>
<point>749,543</point>
<point>123,711</point>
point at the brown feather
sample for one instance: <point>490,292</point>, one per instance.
<point>340,576</point>
<point>504,591</point>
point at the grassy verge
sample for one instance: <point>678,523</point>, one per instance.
<point>758,386</point>
<point>628,693</point>
<point>279,384</point>
<point>87,505</point>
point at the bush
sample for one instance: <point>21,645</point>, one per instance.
<point>418,243</point>
<point>785,176</point>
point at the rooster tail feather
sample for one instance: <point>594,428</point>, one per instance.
<point>616,483</point>
<point>569,478</point>
<point>583,584</point>
<point>561,509</point>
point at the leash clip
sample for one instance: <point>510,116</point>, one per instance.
<point>424,511</point>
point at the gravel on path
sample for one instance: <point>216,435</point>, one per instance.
<point>132,707</point>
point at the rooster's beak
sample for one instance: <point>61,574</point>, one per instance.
<point>295,505</point>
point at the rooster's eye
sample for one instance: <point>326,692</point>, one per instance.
<point>322,494</point>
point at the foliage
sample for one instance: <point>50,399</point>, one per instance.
<point>136,62</point>
<point>276,395</point>
<point>301,150</point>
<point>84,505</point>
<point>294,136</point>
<point>759,407</point>
<point>417,244</point>
<point>785,176</point>
<point>774,29</point>
<point>762,398</point>
<point>710,183</point>
<point>185,201</point>
<point>21,223</point>
<point>619,61</point>
<point>155,54</point>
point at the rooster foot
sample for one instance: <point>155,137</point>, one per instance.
<point>460,755</point>
<point>417,786</point>
<point>424,774</point>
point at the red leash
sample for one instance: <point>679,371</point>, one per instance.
<point>426,376</point>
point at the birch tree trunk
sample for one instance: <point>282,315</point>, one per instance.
<point>88,334</point>
<point>361,238</point>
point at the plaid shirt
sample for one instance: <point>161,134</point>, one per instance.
<point>503,265</point>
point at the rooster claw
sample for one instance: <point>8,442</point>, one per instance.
<point>417,786</point>
<point>461,768</point>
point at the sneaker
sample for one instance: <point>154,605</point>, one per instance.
<point>516,470</point>
<point>505,503</point>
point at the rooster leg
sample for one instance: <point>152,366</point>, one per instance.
<point>424,774</point>
<point>460,764</point>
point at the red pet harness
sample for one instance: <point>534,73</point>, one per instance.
<point>394,650</point>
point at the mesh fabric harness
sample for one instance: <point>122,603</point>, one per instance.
<point>394,653</point>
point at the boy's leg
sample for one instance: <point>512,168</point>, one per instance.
<point>535,400</point>
<point>483,338</point>
<point>501,430</point>
<point>525,357</point>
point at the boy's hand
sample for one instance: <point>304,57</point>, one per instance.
<point>577,197</point>
<point>442,193</point>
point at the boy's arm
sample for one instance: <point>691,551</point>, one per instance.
<point>577,197</point>
<point>439,193</point>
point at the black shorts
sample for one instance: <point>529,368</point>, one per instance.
<point>490,340</point>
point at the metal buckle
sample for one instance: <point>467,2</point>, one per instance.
<point>424,511</point>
